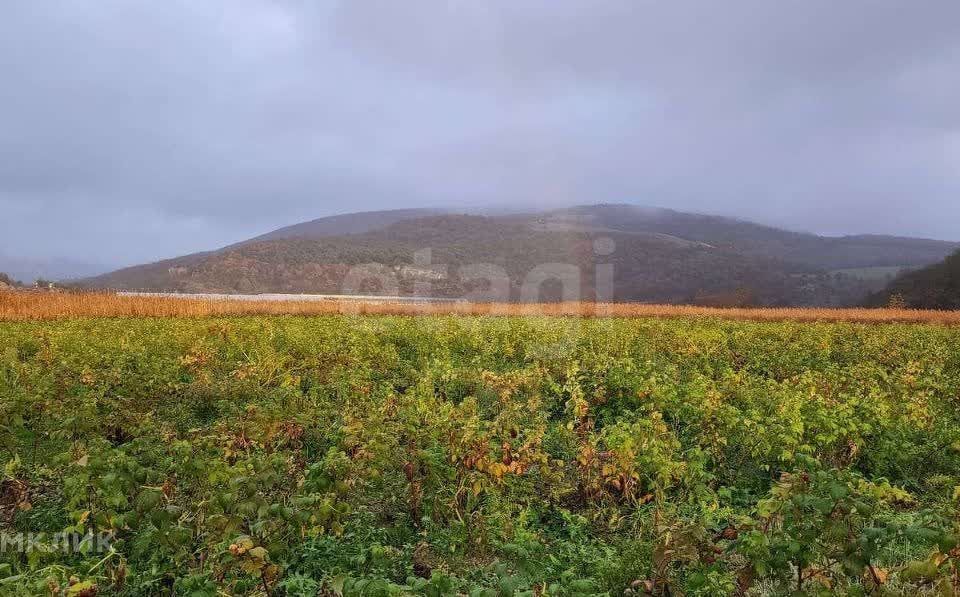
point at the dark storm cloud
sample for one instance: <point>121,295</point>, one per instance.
<point>134,130</point>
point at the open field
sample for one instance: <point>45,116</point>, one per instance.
<point>873,273</point>
<point>482,456</point>
<point>18,306</point>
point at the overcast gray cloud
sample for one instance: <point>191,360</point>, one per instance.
<point>135,130</point>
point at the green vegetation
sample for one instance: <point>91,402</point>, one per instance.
<point>481,456</point>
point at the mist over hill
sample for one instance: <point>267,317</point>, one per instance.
<point>353,223</point>
<point>655,254</point>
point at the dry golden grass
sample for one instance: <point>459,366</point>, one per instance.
<point>26,306</point>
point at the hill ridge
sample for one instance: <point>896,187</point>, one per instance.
<point>658,254</point>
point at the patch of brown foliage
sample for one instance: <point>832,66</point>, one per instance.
<point>26,306</point>
<point>14,495</point>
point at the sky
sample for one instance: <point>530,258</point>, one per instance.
<point>134,130</point>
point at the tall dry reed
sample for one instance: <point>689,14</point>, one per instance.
<point>32,305</point>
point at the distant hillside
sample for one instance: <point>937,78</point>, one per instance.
<point>657,255</point>
<point>934,287</point>
<point>29,270</point>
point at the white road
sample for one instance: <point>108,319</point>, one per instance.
<point>297,297</point>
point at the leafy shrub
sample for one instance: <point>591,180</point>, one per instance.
<point>481,456</point>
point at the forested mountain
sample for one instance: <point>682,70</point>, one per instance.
<point>657,255</point>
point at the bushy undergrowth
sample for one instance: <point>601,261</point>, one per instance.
<point>482,456</point>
